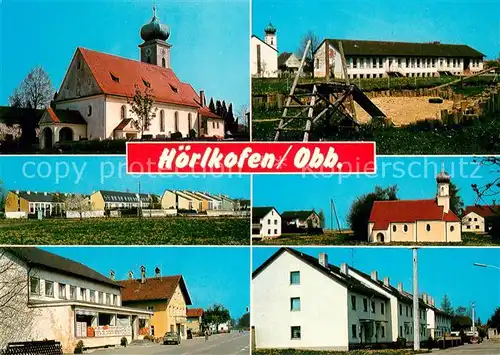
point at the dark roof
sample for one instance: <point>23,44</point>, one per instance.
<point>302,215</point>
<point>16,115</point>
<point>260,212</point>
<point>66,116</point>
<point>282,58</point>
<point>331,271</point>
<point>42,258</point>
<point>107,195</point>
<point>124,123</point>
<point>383,48</point>
<point>483,211</point>
<point>154,289</point>
<point>32,196</point>
<point>194,312</point>
<point>438,310</point>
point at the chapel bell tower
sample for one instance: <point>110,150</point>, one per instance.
<point>155,49</point>
<point>443,193</point>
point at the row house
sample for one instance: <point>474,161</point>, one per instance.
<point>106,200</point>
<point>266,223</point>
<point>20,204</point>
<point>167,297</point>
<point>65,301</point>
<point>304,302</point>
<point>480,218</point>
<point>196,201</point>
<point>377,59</point>
<point>438,321</point>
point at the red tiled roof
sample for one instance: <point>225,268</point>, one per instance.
<point>205,111</point>
<point>157,288</point>
<point>65,116</point>
<point>123,124</point>
<point>118,76</point>
<point>483,211</point>
<point>400,211</point>
<point>194,312</point>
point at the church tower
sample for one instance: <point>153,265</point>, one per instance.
<point>155,50</point>
<point>270,37</point>
<point>443,193</point>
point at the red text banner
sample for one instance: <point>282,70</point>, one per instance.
<point>250,157</point>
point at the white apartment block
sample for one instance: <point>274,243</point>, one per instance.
<point>266,223</point>
<point>378,59</point>
<point>302,302</point>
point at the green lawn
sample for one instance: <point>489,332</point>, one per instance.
<point>127,231</point>
<point>353,352</point>
<point>332,238</point>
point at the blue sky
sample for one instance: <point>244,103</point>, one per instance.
<point>209,39</point>
<point>471,22</point>
<point>441,271</point>
<point>205,269</point>
<point>415,177</point>
<point>79,174</point>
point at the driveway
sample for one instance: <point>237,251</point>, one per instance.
<point>485,348</point>
<point>219,344</point>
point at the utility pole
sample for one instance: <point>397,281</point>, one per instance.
<point>139,210</point>
<point>473,321</point>
<point>416,310</point>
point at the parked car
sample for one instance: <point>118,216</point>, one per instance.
<point>171,338</point>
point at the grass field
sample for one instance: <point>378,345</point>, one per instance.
<point>332,238</point>
<point>127,231</point>
<point>353,352</point>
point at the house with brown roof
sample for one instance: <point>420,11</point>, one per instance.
<point>480,218</point>
<point>303,219</point>
<point>166,296</point>
<point>429,220</point>
<point>94,99</point>
<point>194,318</point>
<point>377,59</point>
<point>20,204</point>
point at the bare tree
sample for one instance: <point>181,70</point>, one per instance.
<point>78,203</point>
<point>242,115</point>
<point>16,318</point>
<point>491,188</point>
<point>143,108</point>
<point>309,36</point>
<point>35,92</point>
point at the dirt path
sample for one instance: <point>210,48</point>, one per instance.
<point>404,110</point>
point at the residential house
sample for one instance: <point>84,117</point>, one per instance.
<point>438,321</point>
<point>194,318</point>
<point>480,219</point>
<point>227,204</point>
<point>264,54</point>
<point>166,296</point>
<point>201,203</point>
<point>288,63</point>
<point>20,204</point>
<point>106,200</point>
<point>301,219</point>
<point>416,220</point>
<point>266,222</point>
<point>214,202</point>
<point>303,302</point>
<point>377,59</point>
<point>51,297</point>
<point>173,199</point>
<point>220,328</point>
<point>400,307</point>
<point>93,101</point>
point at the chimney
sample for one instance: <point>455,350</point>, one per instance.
<point>323,259</point>
<point>374,275</point>
<point>202,98</point>
<point>426,298</point>
<point>157,272</point>
<point>112,275</point>
<point>29,192</point>
<point>143,274</point>
<point>431,300</point>
<point>130,275</point>
<point>17,192</point>
<point>387,281</point>
<point>400,286</point>
<point>45,193</point>
<point>343,268</point>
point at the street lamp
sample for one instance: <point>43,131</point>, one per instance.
<point>486,265</point>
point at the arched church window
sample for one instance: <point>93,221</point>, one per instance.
<point>405,228</point>
<point>394,228</point>
<point>428,227</point>
<point>162,121</point>
<point>176,118</point>
<point>189,121</point>
<point>89,110</point>
<point>124,112</point>
<point>163,63</point>
<point>452,228</point>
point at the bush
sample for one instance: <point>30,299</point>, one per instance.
<point>192,133</point>
<point>401,343</point>
<point>110,146</point>
<point>79,348</point>
<point>176,136</point>
<point>124,342</point>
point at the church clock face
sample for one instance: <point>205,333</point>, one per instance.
<point>148,51</point>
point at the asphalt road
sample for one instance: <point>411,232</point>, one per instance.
<point>221,344</point>
<point>485,348</point>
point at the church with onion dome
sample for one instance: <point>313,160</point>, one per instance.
<point>264,54</point>
<point>94,99</point>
